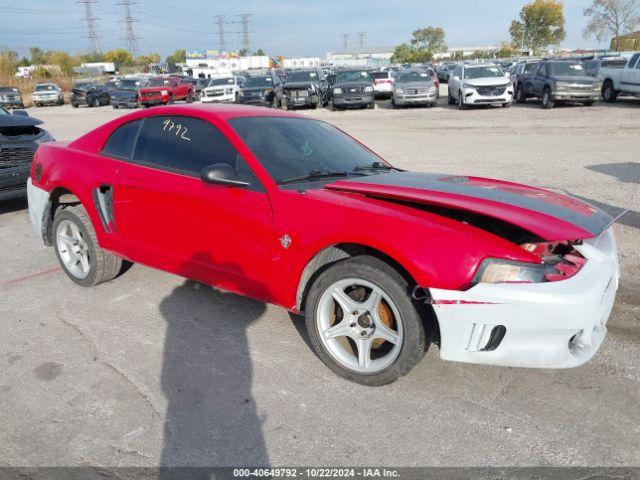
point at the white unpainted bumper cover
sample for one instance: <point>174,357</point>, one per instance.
<point>548,325</point>
<point>38,199</point>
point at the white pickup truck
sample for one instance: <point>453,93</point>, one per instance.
<point>616,81</point>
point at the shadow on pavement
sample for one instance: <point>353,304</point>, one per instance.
<point>211,416</point>
<point>628,172</point>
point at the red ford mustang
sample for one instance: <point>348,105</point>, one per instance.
<point>292,211</point>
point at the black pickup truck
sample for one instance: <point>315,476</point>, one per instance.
<point>352,88</point>
<point>558,81</point>
<point>19,139</point>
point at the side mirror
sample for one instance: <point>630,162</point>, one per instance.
<point>22,113</point>
<point>222,174</point>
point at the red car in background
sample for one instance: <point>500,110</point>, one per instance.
<point>165,90</point>
<point>290,210</point>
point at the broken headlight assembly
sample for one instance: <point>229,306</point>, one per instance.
<point>559,261</point>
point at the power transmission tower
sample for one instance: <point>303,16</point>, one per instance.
<point>245,29</point>
<point>221,32</point>
<point>361,37</point>
<point>127,24</point>
<point>345,41</point>
<point>90,22</point>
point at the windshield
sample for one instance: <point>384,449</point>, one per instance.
<point>258,82</point>
<point>3,112</point>
<point>158,82</point>
<point>8,89</point>
<point>45,88</point>
<point>221,81</point>
<point>483,72</point>
<point>292,147</point>
<point>127,85</point>
<point>356,76</point>
<point>303,77</point>
<point>567,68</point>
<point>379,75</point>
<point>82,86</point>
<point>407,77</point>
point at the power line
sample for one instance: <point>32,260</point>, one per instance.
<point>127,22</point>
<point>220,21</point>
<point>361,37</point>
<point>244,19</point>
<point>90,22</point>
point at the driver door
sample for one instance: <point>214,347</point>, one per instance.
<point>168,218</point>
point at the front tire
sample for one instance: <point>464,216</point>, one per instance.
<point>609,93</point>
<point>461,104</point>
<point>362,322</point>
<point>78,250</point>
<point>520,98</point>
<point>96,102</point>
<point>547,103</point>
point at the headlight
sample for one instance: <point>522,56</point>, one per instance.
<point>312,88</point>
<point>561,86</point>
<point>337,91</point>
<point>494,270</point>
<point>432,89</point>
<point>45,138</point>
<point>228,91</point>
<point>368,89</point>
<point>241,93</point>
<point>164,92</point>
<point>267,91</point>
<point>468,85</point>
<point>399,90</point>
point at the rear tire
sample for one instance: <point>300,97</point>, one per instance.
<point>359,352</point>
<point>74,236</point>
<point>452,101</point>
<point>520,98</point>
<point>96,102</point>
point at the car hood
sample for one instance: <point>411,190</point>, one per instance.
<point>18,121</point>
<point>154,89</point>
<point>424,84</point>
<point>574,79</point>
<point>549,215</point>
<point>256,89</point>
<point>490,81</point>
<point>124,93</point>
<point>299,85</point>
<point>352,84</point>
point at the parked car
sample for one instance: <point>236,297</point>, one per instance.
<point>20,136</point>
<point>165,90</point>
<point>305,88</point>
<point>482,84</point>
<point>262,90</point>
<point>223,89</point>
<point>199,84</point>
<point>593,66</point>
<point>382,84</point>
<point>47,94</point>
<point>352,88</point>
<point>126,93</point>
<point>414,88</point>
<point>10,97</point>
<point>559,81</point>
<point>444,71</point>
<point>520,71</point>
<point>492,272</point>
<point>616,81</point>
<point>88,93</point>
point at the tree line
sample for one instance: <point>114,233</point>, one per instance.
<point>540,25</point>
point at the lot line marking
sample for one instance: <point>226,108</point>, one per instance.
<point>15,281</point>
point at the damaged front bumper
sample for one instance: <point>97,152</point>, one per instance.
<point>537,325</point>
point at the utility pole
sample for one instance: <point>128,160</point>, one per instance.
<point>221,32</point>
<point>244,19</point>
<point>361,37</point>
<point>127,24</point>
<point>90,22</point>
<point>345,41</point>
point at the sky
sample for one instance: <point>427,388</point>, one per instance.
<point>280,27</point>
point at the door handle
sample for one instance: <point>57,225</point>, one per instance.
<point>131,183</point>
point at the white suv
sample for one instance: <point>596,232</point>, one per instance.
<point>223,89</point>
<point>483,84</point>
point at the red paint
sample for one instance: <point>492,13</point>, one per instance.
<point>15,281</point>
<point>460,302</point>
<point>228,237</point>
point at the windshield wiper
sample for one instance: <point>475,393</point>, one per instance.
<point>374,166</point>
<point>312,175</point>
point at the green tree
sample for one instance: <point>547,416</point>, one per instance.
<point>93,57</point>
<point>429,38</point>
<point>402,54</point>
<point>506,50</point>
<point>62,59</point>
<point>147,59</point>
<point>119,56</point>
<point>259,53</point>
<point>541,24</point>
<point>611,18</point>
<point>37,56</point>
<point>179,56</point>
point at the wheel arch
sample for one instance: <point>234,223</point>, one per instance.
<point>59,196</point>
<point>341,251</point>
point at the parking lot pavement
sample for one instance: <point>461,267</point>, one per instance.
<point>151,368</point>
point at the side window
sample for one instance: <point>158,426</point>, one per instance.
<point>457,72</point>
<point>121,142</point>
<point>187,145</point>
<point>633,60</point>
